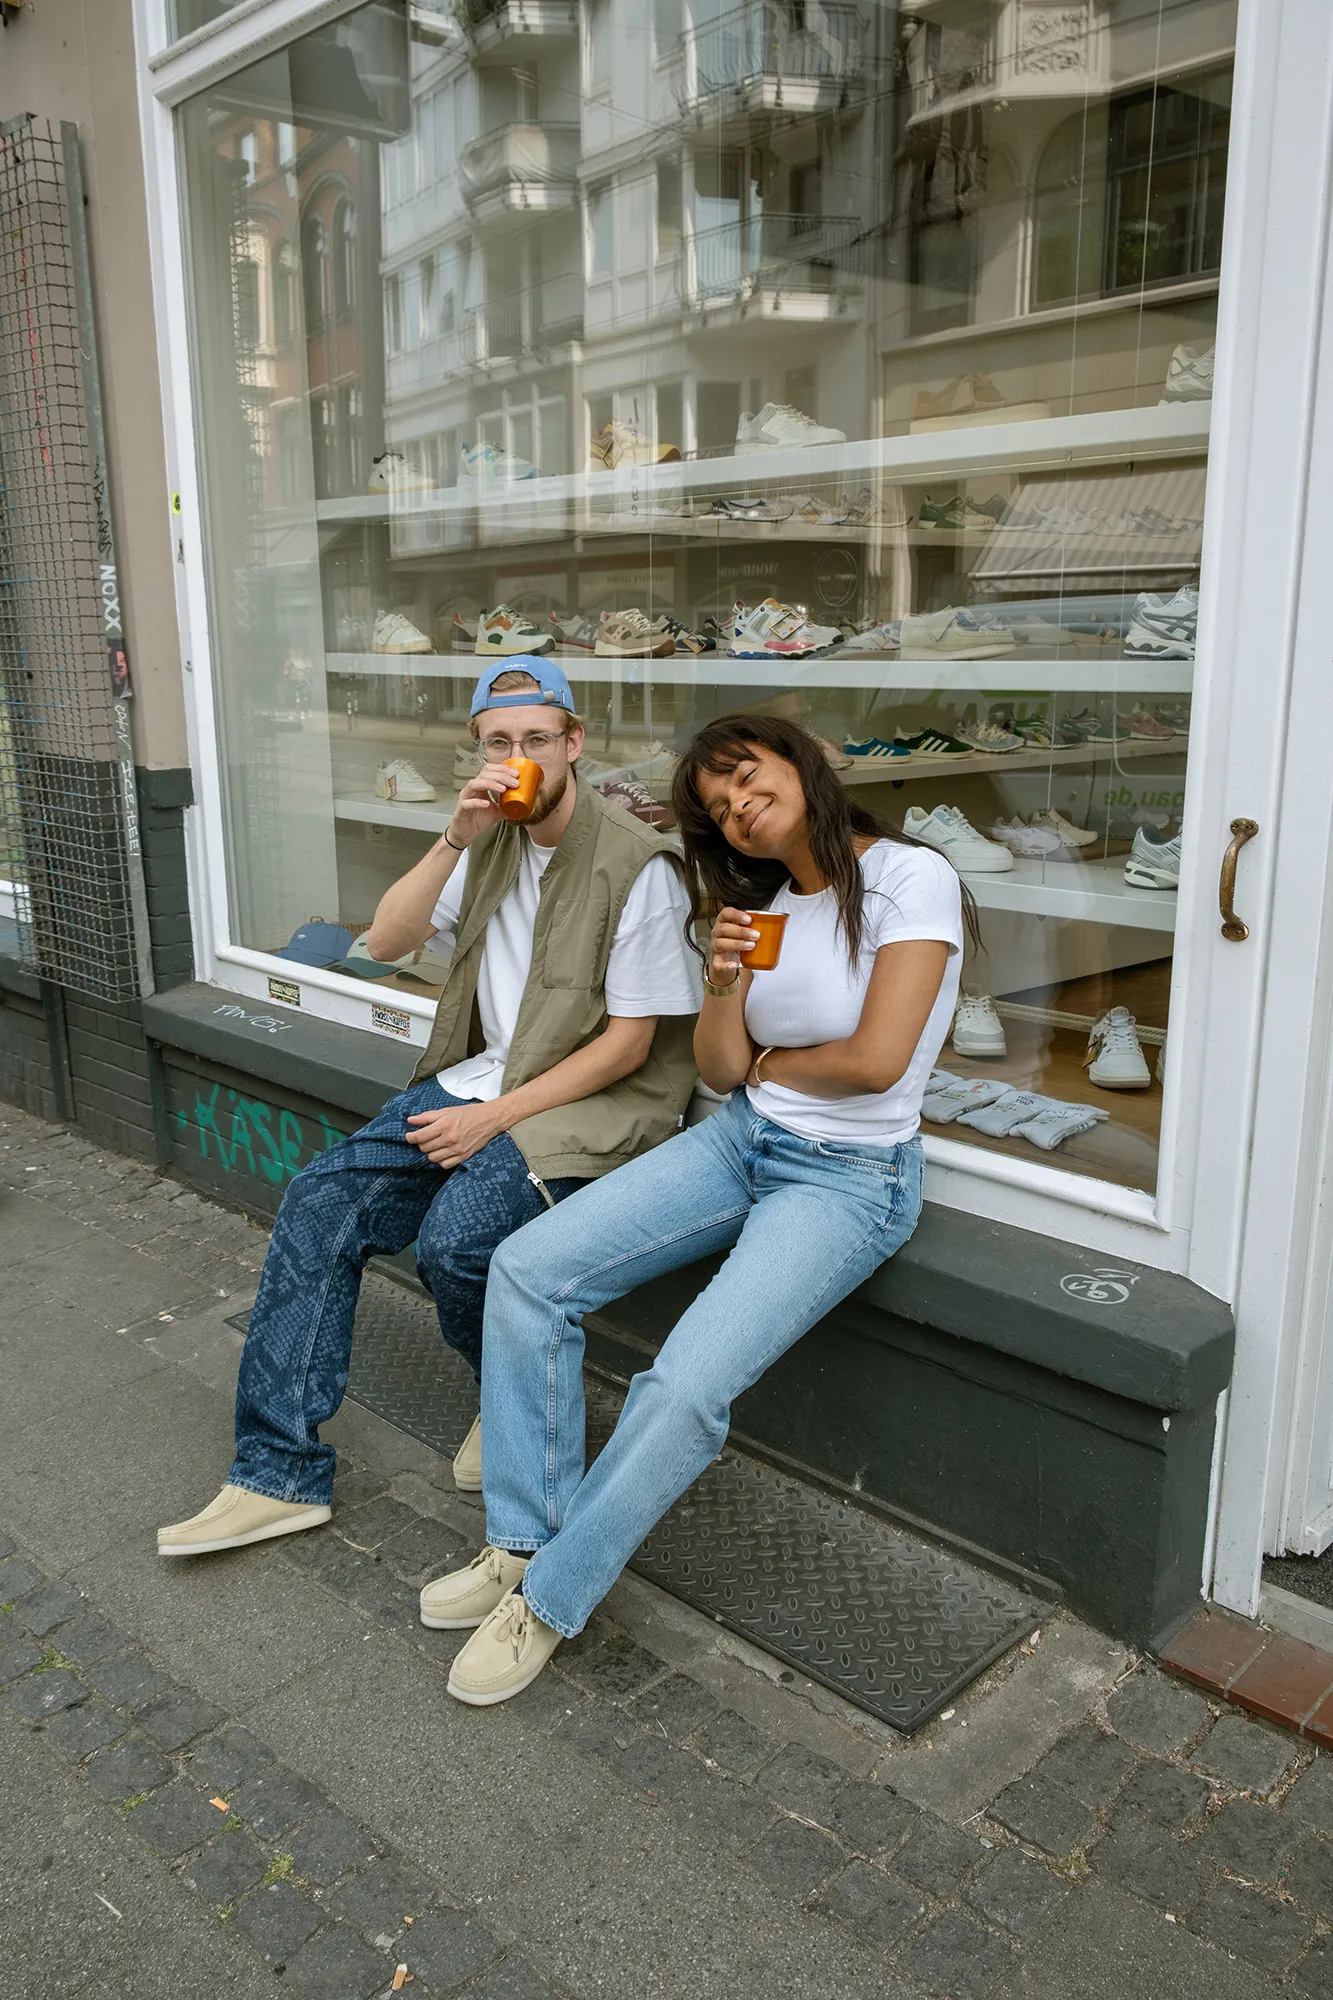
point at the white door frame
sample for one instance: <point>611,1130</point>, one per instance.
<point>1256,1035</point>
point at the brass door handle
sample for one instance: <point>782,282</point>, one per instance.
<point>1232,927</point>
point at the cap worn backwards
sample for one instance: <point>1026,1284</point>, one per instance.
<point>555,689</point>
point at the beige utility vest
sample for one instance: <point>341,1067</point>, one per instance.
<point>583,892</point>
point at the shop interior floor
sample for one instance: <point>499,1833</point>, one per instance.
<point>890,1621</point>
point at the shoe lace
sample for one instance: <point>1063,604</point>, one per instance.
<point>489,1562</point>
<point>1115,1032</point>
<point>511,1620</point>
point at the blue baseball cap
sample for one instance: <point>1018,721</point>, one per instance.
<point>316,943</point>
<point>555,689</point>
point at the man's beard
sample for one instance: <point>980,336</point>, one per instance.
<point>549,795</point>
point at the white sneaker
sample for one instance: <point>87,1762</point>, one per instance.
<point>403,785</point>
<point>574,633</point>
<point>465,764</point>
<point>1189,375</point>
<point>950,834</point>
<point>506,631</point>
<point>1115,1058</point>
<point>775,631</point>
<point>989,736</point>
<point>395,634</point>
<point>486,463</point>
<point>632,635</point>
<point>653,766</point>
<point>875,640</point>
<point>1153,863</point>
<point>392,473</point>
<point>1076,836</point>
<point>1163,628</point>
<point>953,634</point>
<point>1032,843</point>
<point>624,444</point>
<point>977,1028</point>
<point>1050,1128</point>
<point>817,513</point>
<point>778,426</point>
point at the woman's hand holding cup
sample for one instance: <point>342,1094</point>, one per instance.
<point>733,937</point>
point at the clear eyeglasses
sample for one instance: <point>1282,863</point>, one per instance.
<point>499,749</point>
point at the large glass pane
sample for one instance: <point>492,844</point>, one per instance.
<point>841,359</point>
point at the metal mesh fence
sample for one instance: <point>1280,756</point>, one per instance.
<point>69,837</point>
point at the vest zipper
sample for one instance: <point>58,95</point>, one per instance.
<point>542,1189</point>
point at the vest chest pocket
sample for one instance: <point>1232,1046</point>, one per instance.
<point>577,943</point>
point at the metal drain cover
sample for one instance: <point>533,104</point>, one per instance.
<point>893,1623</point>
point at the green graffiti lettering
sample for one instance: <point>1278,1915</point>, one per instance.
<point>240,1130</point>
<point>289,1141</point>
<point>332,1136</point>
<point>270,1161</point>
<point>205,1119</point>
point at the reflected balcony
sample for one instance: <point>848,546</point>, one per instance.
<point>519,171</point>
<point>754,61</point>
<point>524,325</point>
<point>504,28</point>
<point>776,267</point>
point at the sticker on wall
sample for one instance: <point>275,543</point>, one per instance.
<point>285,990</point>
<point>1101,1287</point>
<point>390,1022</point>
<point>837,578</point>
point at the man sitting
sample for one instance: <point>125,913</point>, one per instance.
<point>569,948</point>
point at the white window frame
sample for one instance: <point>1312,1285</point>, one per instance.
<point>1118,1222</point>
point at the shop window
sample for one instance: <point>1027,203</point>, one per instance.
<point>1069,211</point>
<point>344,257</point>
<point>670,208</point>
<point>393,313</point>
<point>247,152</point>
<point>805,194</point>
<point>597,53</point>
<point>600,230</point>
<point>1166,173</point>
<point>668,27</point>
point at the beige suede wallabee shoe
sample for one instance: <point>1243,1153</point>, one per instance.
<point>235,1518</point>
<point>467,1461</point>
<point>456,1602</point>
<point>504,1655</point>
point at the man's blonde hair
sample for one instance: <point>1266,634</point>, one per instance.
<point>510,682</point>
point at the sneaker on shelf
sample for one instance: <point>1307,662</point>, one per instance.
<point>1075,836</point>
<point>652,766</point>
<point>624,444</point>
<point>977,1028</point>
<point>817,513</point>
<point>349,635</point>
<point>488,464</point>
<point>953,634</point>
<point>835,758</point>
<point>1058,1122</point>
<point>632,796</point>
<point>574,633</point>
<point>933,743</point>
<point>1189,375</point>
<point>465,763</point>
<point>868,509</point>
<point>402,784</point>
<point>632,635</point>
<point>1124,825</point>
<point>732,507</point>
<point>964,396</point>
<point>774,631</point>
<point>1035,731</point>
<point>464,639</point>
<point>950,834</point>
<point>875,641</point>
<point>394,633</point>
<point>506,631</point>
<point>779,426</point>
<point>997,507</point>
<point>1115,1058</point>
<point>1089,727</point>
<point>1163,628</point>
<point>959,515</point>
<point>1033,843</point>
<point>1145,726</point>
<point>1177,720</point>
<point>989,736</point>
<point>873,750</point>
<point>1154,861</point>
<point>684,641</point>
<point>392,473</point>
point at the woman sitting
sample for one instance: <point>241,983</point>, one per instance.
<point>810,1175</point>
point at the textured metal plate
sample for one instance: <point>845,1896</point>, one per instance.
<point>891,1622</point>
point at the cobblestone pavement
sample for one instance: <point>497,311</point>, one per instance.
<point>214,1773</point>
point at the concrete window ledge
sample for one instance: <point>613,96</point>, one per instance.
<point>969,1385</point>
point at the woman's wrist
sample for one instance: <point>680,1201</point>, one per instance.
<point>723,988</point>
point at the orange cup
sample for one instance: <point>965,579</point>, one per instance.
<point>765,955</point>
<point>518,803</point>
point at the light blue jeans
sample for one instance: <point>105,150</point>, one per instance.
<point>805,1221</point>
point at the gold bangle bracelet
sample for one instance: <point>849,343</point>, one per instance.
<point>722,992</point>
<point>754,1066</point>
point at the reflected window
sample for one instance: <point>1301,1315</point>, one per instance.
<point>1166,174</point>
<point>286,308</point>
<point>247,303</point>
<point>1068,212</point>
<point>393,313</point>
<point>599,230</point>
<point>344,256</point>
<point>314,274</point>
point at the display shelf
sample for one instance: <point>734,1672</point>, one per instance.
<point>1162,431</point>
<point>372,810</point>
<point>895,770</point>
<point>1080,891</point>
<point>1007,675</point>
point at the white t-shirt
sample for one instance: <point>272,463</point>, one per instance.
<point>815,995</point>
<point>650,970</point>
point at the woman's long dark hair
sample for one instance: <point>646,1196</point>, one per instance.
<point>717,874</point>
